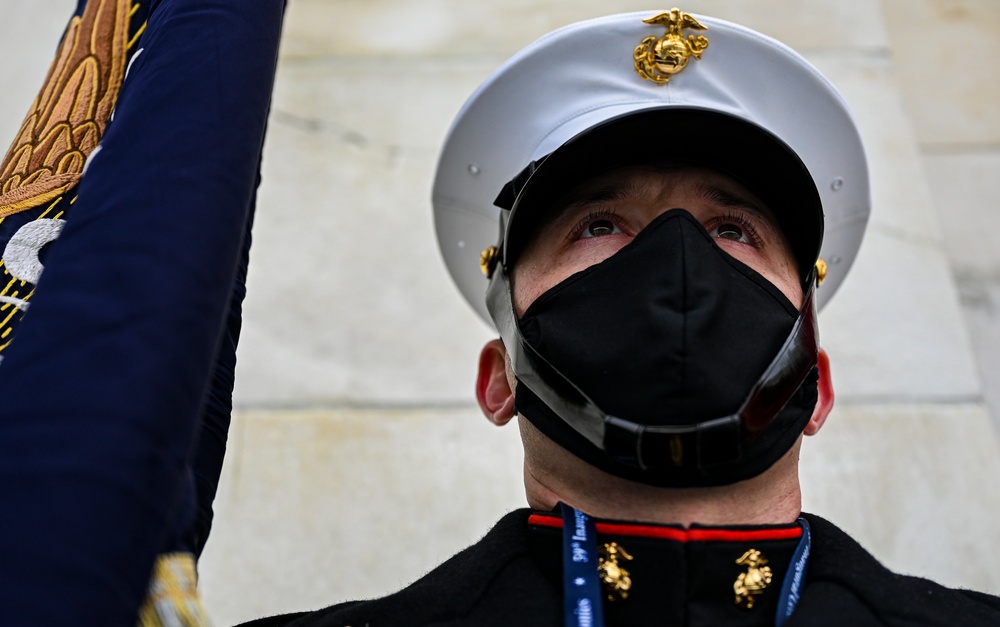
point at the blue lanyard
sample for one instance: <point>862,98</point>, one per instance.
<point>582,598</point>
<point>791,587</point>
<point>582,605</point>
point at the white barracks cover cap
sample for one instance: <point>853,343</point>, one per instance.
<point>664,86</point>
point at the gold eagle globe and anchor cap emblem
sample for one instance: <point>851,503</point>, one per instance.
<point>658,59</point>
<point>751,584</point>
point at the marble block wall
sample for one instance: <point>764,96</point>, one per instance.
<point>358,459</point>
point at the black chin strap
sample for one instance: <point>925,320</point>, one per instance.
<point>702,445</point>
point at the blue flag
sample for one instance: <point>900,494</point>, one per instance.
<point>116,360</point>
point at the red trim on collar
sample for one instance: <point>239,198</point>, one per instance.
<point>698,534</point>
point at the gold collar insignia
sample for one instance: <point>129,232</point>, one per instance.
<point>616,579</point>
<point>751,584</point>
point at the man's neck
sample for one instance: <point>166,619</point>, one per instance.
<point>552,475</point>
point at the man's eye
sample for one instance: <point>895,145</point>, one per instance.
<point>600,228</point>
<point>730,231</point>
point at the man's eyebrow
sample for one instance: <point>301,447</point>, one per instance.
<point>607,193</point>
<point>732,200</point>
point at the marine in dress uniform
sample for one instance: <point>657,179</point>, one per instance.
<point>675,196</point>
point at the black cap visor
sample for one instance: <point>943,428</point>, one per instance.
<point>751,155</point>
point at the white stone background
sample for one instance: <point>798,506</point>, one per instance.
<point>358,459</point>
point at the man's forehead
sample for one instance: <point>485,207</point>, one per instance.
<point>636,181</point>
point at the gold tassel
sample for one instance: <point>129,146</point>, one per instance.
<point>173,599</point>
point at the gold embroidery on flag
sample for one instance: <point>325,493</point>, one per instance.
<point>72,110</point>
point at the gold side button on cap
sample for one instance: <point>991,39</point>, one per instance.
<point>488,260</point>
<point>820,271</point>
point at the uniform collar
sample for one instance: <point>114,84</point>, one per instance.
<point>680,576</point>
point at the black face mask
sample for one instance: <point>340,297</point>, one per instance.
<point>669,331</point>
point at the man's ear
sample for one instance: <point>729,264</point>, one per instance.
<point>492,389</point>
<point>824,403</point>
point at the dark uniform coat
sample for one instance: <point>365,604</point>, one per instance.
<point>513,577</point>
